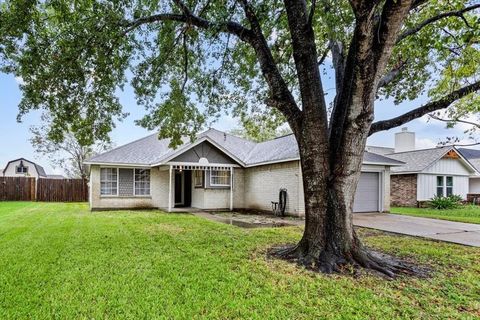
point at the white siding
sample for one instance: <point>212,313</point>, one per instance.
<point>449,166</point>
<point>427,186</point>
<point>10,171</point>
<point>474,185</point>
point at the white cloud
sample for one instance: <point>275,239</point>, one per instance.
<point>19,80</point>
<point>425,143</point>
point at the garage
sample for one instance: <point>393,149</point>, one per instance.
<point>368,193</point>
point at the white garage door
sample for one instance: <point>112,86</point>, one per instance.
<point>368,192</point>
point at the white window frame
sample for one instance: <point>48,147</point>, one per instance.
<point>109,195</point>
<point>202,179</point>
<point>219,184</point>
<point>149,182</point>
<point>447,186</point>
<point>444,185</point>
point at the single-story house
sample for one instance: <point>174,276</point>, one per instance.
<point>440,171</point>
<point>218,171</point>
<point>473,156</point>
<point>25,168</point>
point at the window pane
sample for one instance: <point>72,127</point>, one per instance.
<point>449,191</point>
<point>440,191</point>
<point>449,181</point>
<point>439,181</point>
<point>142,182</point>
<point>199,174</point>
<point>108,181</point>
<point>219,178</point>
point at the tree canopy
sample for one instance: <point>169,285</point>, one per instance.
<point>190,61</point>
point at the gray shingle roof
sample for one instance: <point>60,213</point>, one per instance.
<point>418,160</point>
<point>380,150</point>
<point>150,150</point>
<point>370,157</point>
<point>472,155</point>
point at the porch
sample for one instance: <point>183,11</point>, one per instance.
<point>199,186</point>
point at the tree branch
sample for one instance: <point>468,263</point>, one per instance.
<point>420,26</point>
<point>338,61</point>
<point>391,75</point>
<point>324,56</point>
<point>455,120</point>
<point>280,95</point>
<point>306,62</point>
<point>228,27</point>
<point>425,109</point>
<point>312,12</point>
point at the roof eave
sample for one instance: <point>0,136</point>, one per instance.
<point>111,164</point>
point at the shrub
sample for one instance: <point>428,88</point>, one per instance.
<point>445,203</point>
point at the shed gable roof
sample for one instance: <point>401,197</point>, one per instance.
<point>40,170</point>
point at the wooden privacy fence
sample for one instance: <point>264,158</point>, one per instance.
<point>62,190</point>
<point>53,190</point>
<point>17,189</point>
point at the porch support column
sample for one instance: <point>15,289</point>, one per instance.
<point>231,188</point>
<point>170,188</point>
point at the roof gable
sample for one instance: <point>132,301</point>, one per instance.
<point>40,170</point>
<point>203,148</point>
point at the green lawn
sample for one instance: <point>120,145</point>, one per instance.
<point>61,261</point>
<point>467,213</point>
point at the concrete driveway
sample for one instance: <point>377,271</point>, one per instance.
<point>449,231</point>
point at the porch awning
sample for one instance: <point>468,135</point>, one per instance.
<point>202,167</point>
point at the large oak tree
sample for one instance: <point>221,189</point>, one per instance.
<point>189,61</point>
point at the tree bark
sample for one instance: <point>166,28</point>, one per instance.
<point>329,243</point>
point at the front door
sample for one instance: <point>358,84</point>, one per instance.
<point>179,188</point>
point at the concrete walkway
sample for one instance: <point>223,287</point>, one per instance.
<point>449,231</point>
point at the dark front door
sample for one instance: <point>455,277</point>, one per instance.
<point>179,188</point>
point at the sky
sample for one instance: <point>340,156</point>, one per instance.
<point>14,136</point>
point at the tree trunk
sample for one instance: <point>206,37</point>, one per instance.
<point>329,242</point>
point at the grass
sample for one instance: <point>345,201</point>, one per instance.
<point>61,261</point>
<point>466,213</point>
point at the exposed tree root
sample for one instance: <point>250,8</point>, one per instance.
<point>328,261</point>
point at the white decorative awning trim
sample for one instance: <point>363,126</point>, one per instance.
<point>200,167</point>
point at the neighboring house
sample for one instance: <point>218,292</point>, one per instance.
<point>473,156</point>
<point>218,171</point>
<point>440,171</point>
<point>25,168</point>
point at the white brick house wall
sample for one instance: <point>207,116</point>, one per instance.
<point>158,185</point>
<point>262,185</point>
<point>253,188</point>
